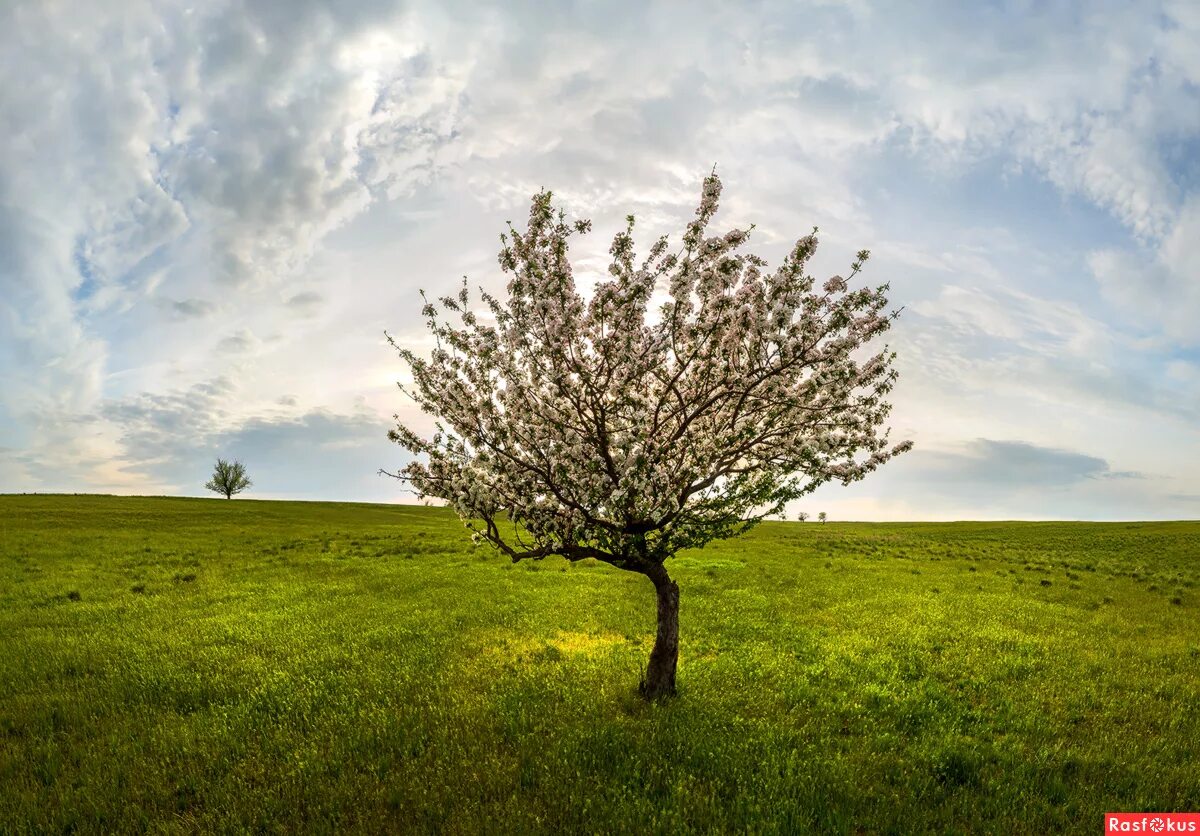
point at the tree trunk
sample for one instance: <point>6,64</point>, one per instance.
<point>660,675</point>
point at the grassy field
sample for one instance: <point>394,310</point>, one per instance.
<point>201,665</point>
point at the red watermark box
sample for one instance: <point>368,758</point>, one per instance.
<point>1152,823</point>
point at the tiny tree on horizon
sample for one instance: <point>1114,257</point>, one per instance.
<point>586,429</point>
<point>229,478</point>
<point>802,516</point>
<point>821,517</point>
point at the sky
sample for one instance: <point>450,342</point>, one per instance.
<point>211,212</point>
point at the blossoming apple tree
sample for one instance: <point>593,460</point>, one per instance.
<point>585,428</point>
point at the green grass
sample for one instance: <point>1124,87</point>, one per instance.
<point>173,665</point>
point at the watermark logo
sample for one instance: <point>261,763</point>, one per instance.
<point>1152,823</point>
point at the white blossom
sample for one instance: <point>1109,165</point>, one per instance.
<point>599,434</point>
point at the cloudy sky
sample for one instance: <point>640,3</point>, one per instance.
<point>210,212</point>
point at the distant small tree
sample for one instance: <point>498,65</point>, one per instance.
<point>821,517</point>
<point>587,429</point>
<point>229,478</point>
<point>802,516</point>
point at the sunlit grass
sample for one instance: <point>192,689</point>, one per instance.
<point>177,664</point>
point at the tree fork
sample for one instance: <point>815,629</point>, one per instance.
<point>660,673</point>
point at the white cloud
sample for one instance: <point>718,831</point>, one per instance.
<point>184,153</point>
<point>1158,287</point>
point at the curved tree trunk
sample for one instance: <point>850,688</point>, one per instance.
<point>660,674</point>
